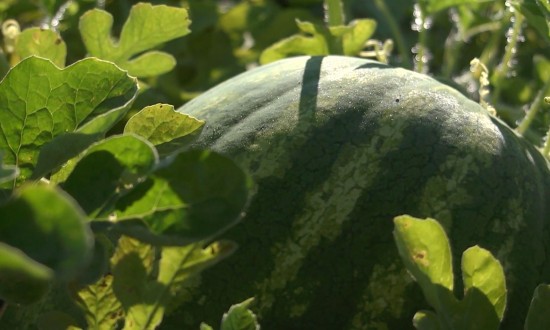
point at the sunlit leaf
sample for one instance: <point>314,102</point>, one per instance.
<point>480,270</point>
<point>43,43</point>
<point>240,317</point>
<point>39,101</point>
<point>167,129</point>
<point>425,250</point>
<point>147,27</point>
<point>101,308</point>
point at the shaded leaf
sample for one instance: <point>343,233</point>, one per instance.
<point>39,101</point>
<point>193,196</point>
<point>140,295</point>
<point>43,43</point>
<point>56,232</point>
<point>61,149</point>
<point>18,271</point>
<point>169,130</point>
<point>536,16</point>
<point>107,169</point>
<point>147,27</point>
<point>56,320</point>
<point>538,316</point>
<point>179,264</point>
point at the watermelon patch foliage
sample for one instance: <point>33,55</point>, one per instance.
<point>114,206</point>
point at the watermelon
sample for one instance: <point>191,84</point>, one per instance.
<point>338,147</point>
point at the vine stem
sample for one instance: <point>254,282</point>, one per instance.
<point>533,111</point>
<point>420,23</point>
<point>396,32</point>
<point>510,49</point>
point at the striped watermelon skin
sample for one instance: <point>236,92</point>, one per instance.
<point>337,147</point>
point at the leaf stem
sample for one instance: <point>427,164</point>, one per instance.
<point>404,52</point>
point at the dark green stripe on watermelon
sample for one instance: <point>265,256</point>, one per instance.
<point>339,146</point>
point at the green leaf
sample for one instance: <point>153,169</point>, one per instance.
<point>42,43</point>
<point>426,320</point>
<point>538,316</point>
<point>22,279</point>
<point>135,286</point>
<point>193,196</point>
<point>356,35</point>
<point>316,39</point>
<point>425,250</point>
<point>39,101</point>
<point>147,27</point>
<point>107,169</point>
<point>239,317</point>
<point>536,15</point>
<point>480,270</point>
<point>313,44</point>
<point>179,264</point>
<point>144,295</point>
<point>169,130</point>
<point>205,326</point>
<point>7,172</point>
<point>55,230</point>
<point>101,308</point>
<point>61,149</point>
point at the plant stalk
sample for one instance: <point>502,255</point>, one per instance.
<point>334,12</point>
<point>404,52</point>
<point>503,69</point>
<point>534,110</point>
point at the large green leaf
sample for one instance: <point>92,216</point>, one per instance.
<point>192,196</point>
<point>107,169</point>
<point>39,102</point>
<point>147,27</point>
<point>49,227</point>
<point>170,131</point>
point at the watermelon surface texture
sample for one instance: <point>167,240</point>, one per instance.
<point>339,146</point>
